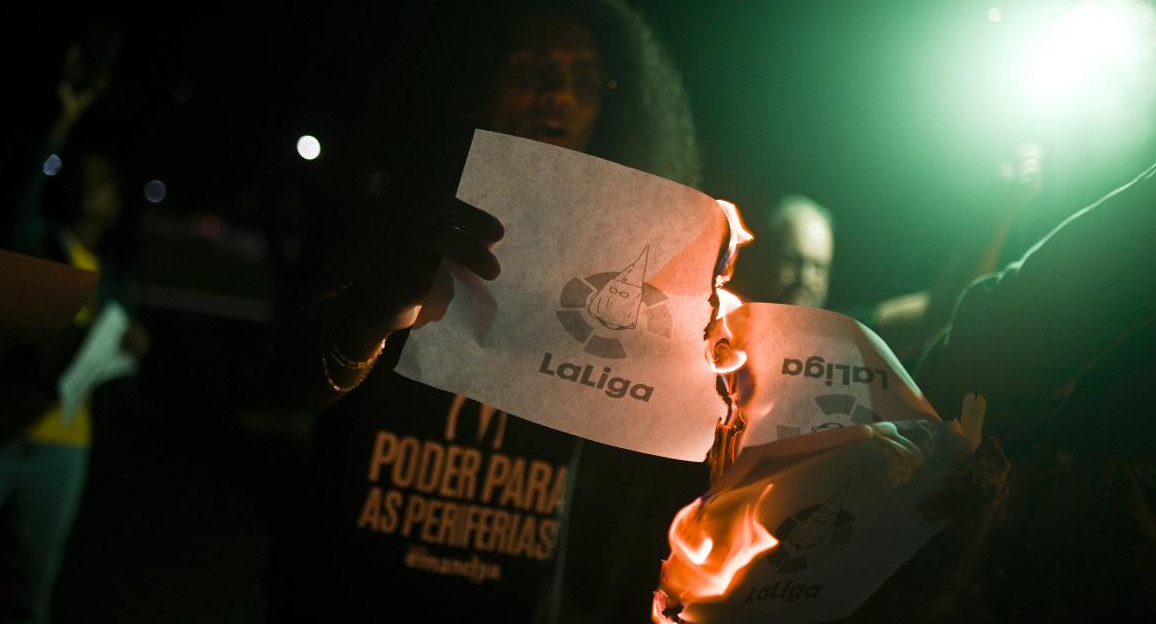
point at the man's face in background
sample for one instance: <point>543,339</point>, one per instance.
<point>798,268</point>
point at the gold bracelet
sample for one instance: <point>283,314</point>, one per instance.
<point>329,351</point>
<point>333,384</point>
<point>337,356</point>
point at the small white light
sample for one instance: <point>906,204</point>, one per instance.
<point>995,15</point>
<point>52,165</point>
<point>308,147</point>
<point>155,191</point>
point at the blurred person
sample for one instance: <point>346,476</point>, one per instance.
<point>68,213</point>
<point>583,75</point>
<point>1053,519</point>
<point>790,259</point>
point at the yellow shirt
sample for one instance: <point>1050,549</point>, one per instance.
<point>50,428</point>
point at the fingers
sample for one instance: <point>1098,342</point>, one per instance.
<point>71,58</point>
<point>456,245</point>
<point>419,250</point>
<point>473,222</point>
<point>971,418</point>
<point>388,300</point>
<point>390,293</point>
<point>427,228</point>
<point>433,208</point>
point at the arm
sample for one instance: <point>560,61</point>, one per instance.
<point>1024,333</point>
<point>79,86</point>
<point>907,322</point>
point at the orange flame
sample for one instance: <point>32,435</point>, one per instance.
<point>739,236</point>
<point>726,359</point>
<point>710,544</point>
<point>722,358</point>
<point>727,302</point>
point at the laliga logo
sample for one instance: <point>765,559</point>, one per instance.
<point>810,528</point>
<point>835,411</point>
<point>595,310</point>
<point>806,533</point>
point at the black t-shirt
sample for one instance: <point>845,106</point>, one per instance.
<point>423,502</point>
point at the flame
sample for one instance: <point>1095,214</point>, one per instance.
<point>656,609</point>
<point>739,236</point>
<point>710,544</point>
<point>722,357</point>
<point>726,359</point>
<point>727,302</point>
<point>697,557</point>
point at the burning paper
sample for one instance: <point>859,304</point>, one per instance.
<point>808,370</point>
<point>806,529</point>
<point>596,325</point>
<point>821,506</point>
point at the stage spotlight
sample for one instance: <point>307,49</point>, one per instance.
<point>1076,74</point>
<point>1093,39</point>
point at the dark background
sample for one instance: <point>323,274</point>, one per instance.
<point>896,115</point>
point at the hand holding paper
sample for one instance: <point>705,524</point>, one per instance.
<point>595,326</point>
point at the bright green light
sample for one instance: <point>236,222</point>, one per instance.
<point>1077,76</point>
<point>1093,39</point>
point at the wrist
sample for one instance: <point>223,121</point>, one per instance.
<point>349,347</point>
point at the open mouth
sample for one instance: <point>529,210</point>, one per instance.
<point>550,130</point>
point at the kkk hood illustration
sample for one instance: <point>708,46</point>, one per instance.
<point>817,527</point>
<point>616,304</point>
